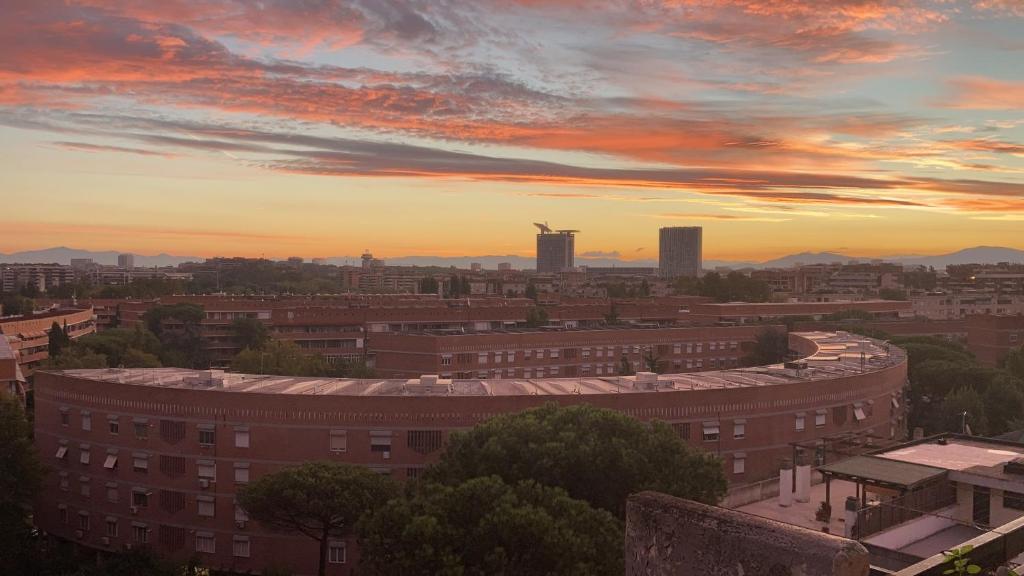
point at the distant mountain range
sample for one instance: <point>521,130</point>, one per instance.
<point>978,254</point>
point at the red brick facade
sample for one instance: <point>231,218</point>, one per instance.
<point>153,461</point>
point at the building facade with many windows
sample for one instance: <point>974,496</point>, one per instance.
<point>154,457</point>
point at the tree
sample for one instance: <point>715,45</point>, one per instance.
<point>484,526</point>
<point>12,304</point>
<point>250,333</point>
<point>595,454</point>
<point>20,480</point>
<point>1014,362</point>
<point>428,285</point>
<point>58,340</point>
<point>531,291</point>
<point>892,294</point>
<point>77,357</point>
<point>183,345</point>
<point>1004,403</point>
<point>950,415</point>
<point>320,500</point>
<point>625,367</point>
<point>770,347</point>
<point>612,317</point>
<point>536,317</point>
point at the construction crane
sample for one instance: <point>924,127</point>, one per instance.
<point>544,228</point>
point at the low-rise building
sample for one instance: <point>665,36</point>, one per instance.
<point>990,337</point>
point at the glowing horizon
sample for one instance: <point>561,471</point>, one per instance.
<point>221,127</point>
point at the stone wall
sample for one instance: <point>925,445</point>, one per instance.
<point>668,536</point>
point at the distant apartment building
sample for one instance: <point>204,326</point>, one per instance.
<point>126,261</point>
<point>561,353</point>
<point>11,378</point>
<point>752,312</point>
<point>679,251</point>
<point>14,277</point>
<point>990,337</point>
<point>947,306</point>
<point>555,251</point>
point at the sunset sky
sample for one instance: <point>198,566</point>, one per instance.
<point>207,127</point>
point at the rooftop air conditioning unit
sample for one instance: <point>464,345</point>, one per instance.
<point>646,381</point>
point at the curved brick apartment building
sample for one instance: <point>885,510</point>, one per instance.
<point>154,457</point>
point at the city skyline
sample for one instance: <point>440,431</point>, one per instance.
<point>873,127</point>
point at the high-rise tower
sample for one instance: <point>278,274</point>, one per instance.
<point>679,251</point>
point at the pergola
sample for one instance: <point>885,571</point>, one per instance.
<point>879,472</point>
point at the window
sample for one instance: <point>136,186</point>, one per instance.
<point>113,495</point>
<point>339,440</point>
<point>739,463</point>
<point>839,415</point>
<point>205,506</point>
<point>65,419</point>
<point>62,512</point>
<point>800,422</point>
<point>380,441</point>
<point>241,516</point>
<point>683,429</point>
<point>241,472</point>
<point>111,462</point>
<point>481,358</point>
<point>207,435</point>
<point>140,462</point>
<point>336,553</point>
<point>207,469</point>
<point>710,431</point>
<point>240,547</point>
<point>819,418</point>
<point>140,533</point>
<point>739,429</point>
<point>83,456</point>
<point>111,527</point>
<point>241,437</point>
<point>141,426</point>
<point>64,481</point>
<point>62,452</point>
<point>86,421</point>
<point>83,521</point>
<point>1014,500</point>
<point>140,497</point>
<point>424,441</point>
<point>446,360</point>
<point>85,489</point>
<point>113,425</point>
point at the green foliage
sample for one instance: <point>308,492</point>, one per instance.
<point>959,563</point>
<point>892,294</point>
<point>595,454</point>
<point>182,346</point>
<point>320,500</point>
<point>429,285</point>
<point>771,346</point>
<point>12,304</point>
<point>1014,362</point>
<point>625,367</point>
<point>76,357</point>
<point>58,340</point>
<point>1004,403</point>
<point>20,480</point>
<point>285,358</point>
<point>536,317</point>
<point>851,314</point>
<point>612,317</point>
<point>484,526</point>
<point>733,287</point>
<point>250,333</point>
<point>136,348</point>
<point>458,286</point>
<point>531,291</point>
<point>950,414</point>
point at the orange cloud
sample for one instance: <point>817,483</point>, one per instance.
<point>980,93</point>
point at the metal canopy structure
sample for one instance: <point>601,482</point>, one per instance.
<point>883,473</point>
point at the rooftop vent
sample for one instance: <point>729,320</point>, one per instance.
<point>646,381</point>
<point>428,384</point>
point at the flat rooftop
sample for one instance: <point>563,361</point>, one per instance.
<point>956,453</point>
<point>838,355</point>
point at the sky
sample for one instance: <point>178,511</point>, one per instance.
<point>446,127</point>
